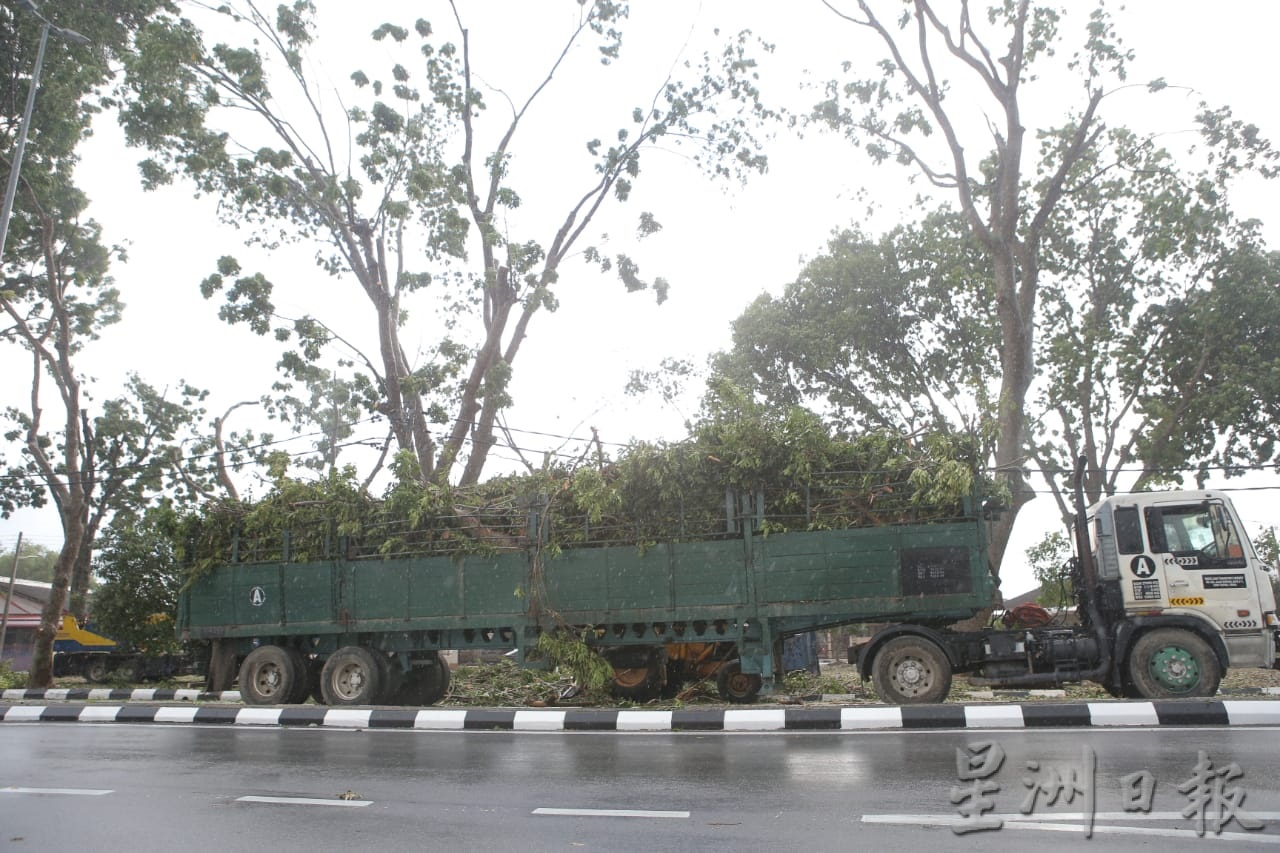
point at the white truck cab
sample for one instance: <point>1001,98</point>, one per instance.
<point>1184,555</point>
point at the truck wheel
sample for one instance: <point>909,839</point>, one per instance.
<point>389,678</point>
<point>911,670</point>
<point>424,685</point>
<point>1173,663</point>
<point>734,685</point>
<point>137,670</point>
<point>95,669</point>
<point>639,680</point>
<point>306,676</point>
<point>350,677</point>
<point>268,676</point>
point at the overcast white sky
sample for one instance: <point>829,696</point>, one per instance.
<point>721,245</point>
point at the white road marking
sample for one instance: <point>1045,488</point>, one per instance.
<point>608,813</point>
<point>993,716</point>
<point>99,713</point>
<point>176,715</point>
<point>761,720</point>
<point>304,801</point>
<point>539,721</point>
<point>70,792</point>
<point>871,717</point>
<point>353,717</point>
<point>21,713</point>
<point>258,716</point>
<point>1123,714</point>
<point>640,721</point>
<point>440,719</point>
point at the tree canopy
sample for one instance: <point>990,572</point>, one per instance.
<point>1005,311</point>
<point>411,199</point>
<point>89,457</point>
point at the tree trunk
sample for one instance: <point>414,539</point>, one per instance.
<point>51,616</point>
<point>222,666</point>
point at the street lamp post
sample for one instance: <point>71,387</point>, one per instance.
<point>11,190</point>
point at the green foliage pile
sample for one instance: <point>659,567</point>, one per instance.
<point>784,470</point>
<point>138,594</point>
<point>10,680</point>
<point>504,684</point>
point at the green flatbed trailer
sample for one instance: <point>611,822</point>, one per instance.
<point>368,631</point>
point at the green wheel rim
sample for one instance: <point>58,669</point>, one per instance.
<point>1175,668</point>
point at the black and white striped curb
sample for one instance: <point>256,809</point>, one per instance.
<point>74,694</point>
<point>79,694</point>
<point>1038,715</point>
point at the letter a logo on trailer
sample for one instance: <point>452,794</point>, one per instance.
<point>257,596</point>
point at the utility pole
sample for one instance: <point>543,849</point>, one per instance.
<point>8,597</point>
<point>11,190</point>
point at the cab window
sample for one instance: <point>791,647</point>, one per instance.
<point>1204,531</point>
<point>1128,530</point>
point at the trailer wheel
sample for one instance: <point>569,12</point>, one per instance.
<point>268,676</point>
<point>1172,663</point>
<point>95,669</point>
<point>389,678</point>
<point>306,676</point>
<point>424,685</point>
<point>639,680</point>
<point>911,670</point>
<point>350,677</point>
<point>734,685</point>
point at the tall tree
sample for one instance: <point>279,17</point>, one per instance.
<point>1160,324</point>
<point>949,106</point>
<point>417,204</point>
<point>896,116</point>
<point>89,458</point>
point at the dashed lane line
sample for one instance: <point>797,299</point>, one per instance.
<point>304,801</point>
<point>608,813</point>
<point>66,792</point>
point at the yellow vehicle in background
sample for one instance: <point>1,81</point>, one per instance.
<point>78,650</point>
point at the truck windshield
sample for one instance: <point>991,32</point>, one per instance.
<point>1205,530</point>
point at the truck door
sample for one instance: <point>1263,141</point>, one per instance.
<point>1198,551</point>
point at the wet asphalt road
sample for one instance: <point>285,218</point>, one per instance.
<point>80,787</point>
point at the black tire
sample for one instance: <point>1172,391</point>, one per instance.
<point>136,670</point>
<point>911,671</point>
<point>638,674</point>
<point>96,669</point>
<point>269,676</point>
<point>734,685</point>
<point>1172,663</point>
<point>351,676</point>
<point>308,675</point>
<point>389,678</point>
<point>424,685</point>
